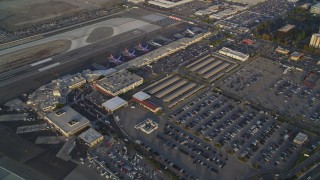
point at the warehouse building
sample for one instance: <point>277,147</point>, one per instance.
<point>91,137</point>
<point>234,54</point>
<point>300,138</point>
<point>67,121</point>
<point>118,83</point>
<point>114,104</point>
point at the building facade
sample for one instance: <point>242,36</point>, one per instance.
<point>315,9</point>
<point>315,41</point>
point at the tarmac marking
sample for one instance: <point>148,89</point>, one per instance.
<point>42,61</point>
<point>49,67</point>
<point>19,177</point>
<point>7,77</point>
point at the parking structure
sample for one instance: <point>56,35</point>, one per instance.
<point>173,89</point>
<point>211,67</point>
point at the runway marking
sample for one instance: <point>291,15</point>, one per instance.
<point>42,61</point>
<point>105,43</point>
<point>7,77</point>
<point>88,49</point>
<point>19,177</point>
<point>33,68</point>
<point>49,67</point>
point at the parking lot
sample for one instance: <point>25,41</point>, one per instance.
<point>116,159</point>
<point>276,87</point>
<point>249,133</point>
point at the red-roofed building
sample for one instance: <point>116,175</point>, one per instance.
<point>148,105</point>
<point>247,41</point>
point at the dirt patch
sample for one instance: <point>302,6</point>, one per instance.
<point>29,55</point>
<point>99,34</point>
<point>12,18</point>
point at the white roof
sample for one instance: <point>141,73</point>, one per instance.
<point>68,119</point>
<point>90,135</point>
<point>114,103</point>
<point>141,96</point>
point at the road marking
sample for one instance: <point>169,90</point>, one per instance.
<point>42,61</point>
<point>7,77</point>
<point>49,67</point>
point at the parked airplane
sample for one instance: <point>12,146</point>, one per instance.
<point>155,44</point>
<point>127,53</point>
<point>141,48</point>
<point>190,32</point>
<point>115,60</point>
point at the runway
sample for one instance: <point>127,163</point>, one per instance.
<point>28,78</point>
<point>79,37</point>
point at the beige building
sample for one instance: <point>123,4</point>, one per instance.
<point>91,137</point>
<point>300,138</point>
<point>67,121</point>
<point>315,9</point>
<point>118,83</point>
<point>234,54</point>
<point>282,50</point>
<point>315,41</point>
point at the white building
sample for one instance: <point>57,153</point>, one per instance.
<point>91,137</point>
<point>234,54</point>
<point>136,1</point>
<point>167,3</point>
<point>67,121</point>
<point>114,104</point>
<point>147,126</point>
<point>293,1</point>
